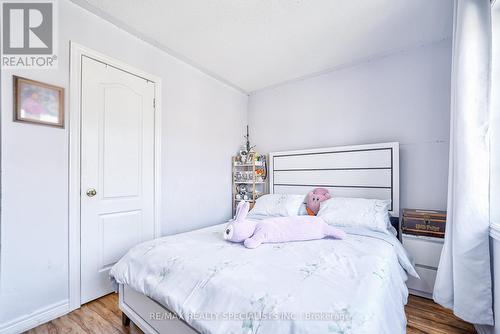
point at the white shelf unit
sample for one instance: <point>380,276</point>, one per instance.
<point>247,175</point>
<point>426,252</point>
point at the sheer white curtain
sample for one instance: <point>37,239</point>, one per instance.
<point>463,282</point>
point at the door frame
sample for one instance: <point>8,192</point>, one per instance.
<point>78,51</point>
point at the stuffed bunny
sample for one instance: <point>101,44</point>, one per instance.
<point>314,199</point>
<point>277,229</point>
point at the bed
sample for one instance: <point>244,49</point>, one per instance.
<point>196,282</point>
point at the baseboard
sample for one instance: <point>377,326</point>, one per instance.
<point>420,293</point>
<point>36,318</point>
<point>484,329</point>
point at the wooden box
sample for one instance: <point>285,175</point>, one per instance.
<point>424,222</point>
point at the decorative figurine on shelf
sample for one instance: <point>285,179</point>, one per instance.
<point>260,173</point>
<point>243,156</point>
<point>242,190</point>
<point>247,152</point>
<point>251,157</point>
<point>248,147</point>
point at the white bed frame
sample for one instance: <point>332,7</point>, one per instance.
<point>365,171</point>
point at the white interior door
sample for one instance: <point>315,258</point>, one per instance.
<point>117,170</point>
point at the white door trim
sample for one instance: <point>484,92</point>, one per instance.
<point>77,51</point>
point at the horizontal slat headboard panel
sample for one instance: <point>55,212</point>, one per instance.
<point>365,171</point>
<point>375,193</point>
<point>334,160</point>
<point>368,178</point>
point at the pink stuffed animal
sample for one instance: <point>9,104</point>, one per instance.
<point>314,199</point>
<point>279,229</point>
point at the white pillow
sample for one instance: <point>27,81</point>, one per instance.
<point>357,212</point>
<point>278,205</point>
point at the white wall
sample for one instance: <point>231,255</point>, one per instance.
<point>203,122</point>
<point>402,97</point>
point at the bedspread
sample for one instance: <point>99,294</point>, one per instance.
<point>355,285</point>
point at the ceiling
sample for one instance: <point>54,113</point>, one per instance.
<point>254,44</point>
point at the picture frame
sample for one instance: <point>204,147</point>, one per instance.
<point>37,102</point>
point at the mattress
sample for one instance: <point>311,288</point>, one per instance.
<point>355,285</point>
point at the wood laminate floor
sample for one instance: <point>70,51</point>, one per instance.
<point>104,316</point>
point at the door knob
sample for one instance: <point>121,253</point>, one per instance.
<point>91,192</point>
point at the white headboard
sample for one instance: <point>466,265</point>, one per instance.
<point>366,171</point>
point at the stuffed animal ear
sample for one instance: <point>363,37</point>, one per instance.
<point>328,196</point>
<point>242,210</point>
<point>238,210</point>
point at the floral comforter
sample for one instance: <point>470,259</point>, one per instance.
<point>356,285</point>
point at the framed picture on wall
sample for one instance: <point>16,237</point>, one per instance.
<point>38,103</point>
